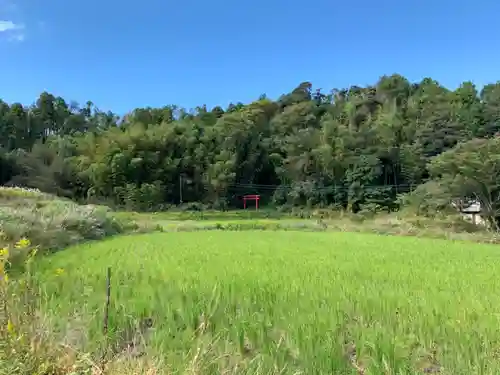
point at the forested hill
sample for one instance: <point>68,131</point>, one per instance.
<point>352,147</point>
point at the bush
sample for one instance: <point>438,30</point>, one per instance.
<point>430,199</point>
<point>192,207</point>
<point>51,222</point>
<point>145,197</point>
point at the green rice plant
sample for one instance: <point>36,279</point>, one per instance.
<point>212,302</point>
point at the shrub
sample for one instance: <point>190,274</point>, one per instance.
<point>145,197</point>
<point>192,207</point>
<point>430,199</point>
<point>52,222</point>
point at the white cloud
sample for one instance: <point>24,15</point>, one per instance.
<point>14,31</point>
<point>12,28</point>
<point>8,25</point>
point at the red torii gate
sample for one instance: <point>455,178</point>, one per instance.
<point>253,197</point>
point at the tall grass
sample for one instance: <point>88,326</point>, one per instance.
<point>275,302</point>
<point>53,223</point>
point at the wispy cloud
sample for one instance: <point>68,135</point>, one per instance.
<point>13,31</point>
<point>8,25</point>
<point>12,28</point>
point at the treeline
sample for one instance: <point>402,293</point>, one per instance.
<point>355,148</point>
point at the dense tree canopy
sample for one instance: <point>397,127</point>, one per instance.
<point>355,148</point>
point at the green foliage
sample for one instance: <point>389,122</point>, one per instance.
<point>145,197</point>
<point>429,199</point>
<point>357,149</point>
<point>51,222</point>
<point>470,173</point>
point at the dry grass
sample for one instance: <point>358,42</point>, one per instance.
<point>53,223</point>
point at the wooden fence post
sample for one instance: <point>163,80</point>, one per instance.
<point>108,300</point>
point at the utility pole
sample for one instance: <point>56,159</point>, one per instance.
<point>180,188</point>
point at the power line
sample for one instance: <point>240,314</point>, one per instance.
<point>325,188</point>
<point>331,189</point>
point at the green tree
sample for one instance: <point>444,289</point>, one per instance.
<point>354,148</point>
<point>471,172</point>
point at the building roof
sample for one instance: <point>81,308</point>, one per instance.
<point>475,207</point>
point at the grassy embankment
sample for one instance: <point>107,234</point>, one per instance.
<point>51,224</point>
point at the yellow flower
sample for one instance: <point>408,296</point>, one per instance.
<point>4,253</point>
<point>10,326</point>
<point>59,271</point>
<point>23,243</point>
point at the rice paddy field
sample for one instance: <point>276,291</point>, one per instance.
<point>271,302</point>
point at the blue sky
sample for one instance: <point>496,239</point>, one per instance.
<point>124,54</point>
